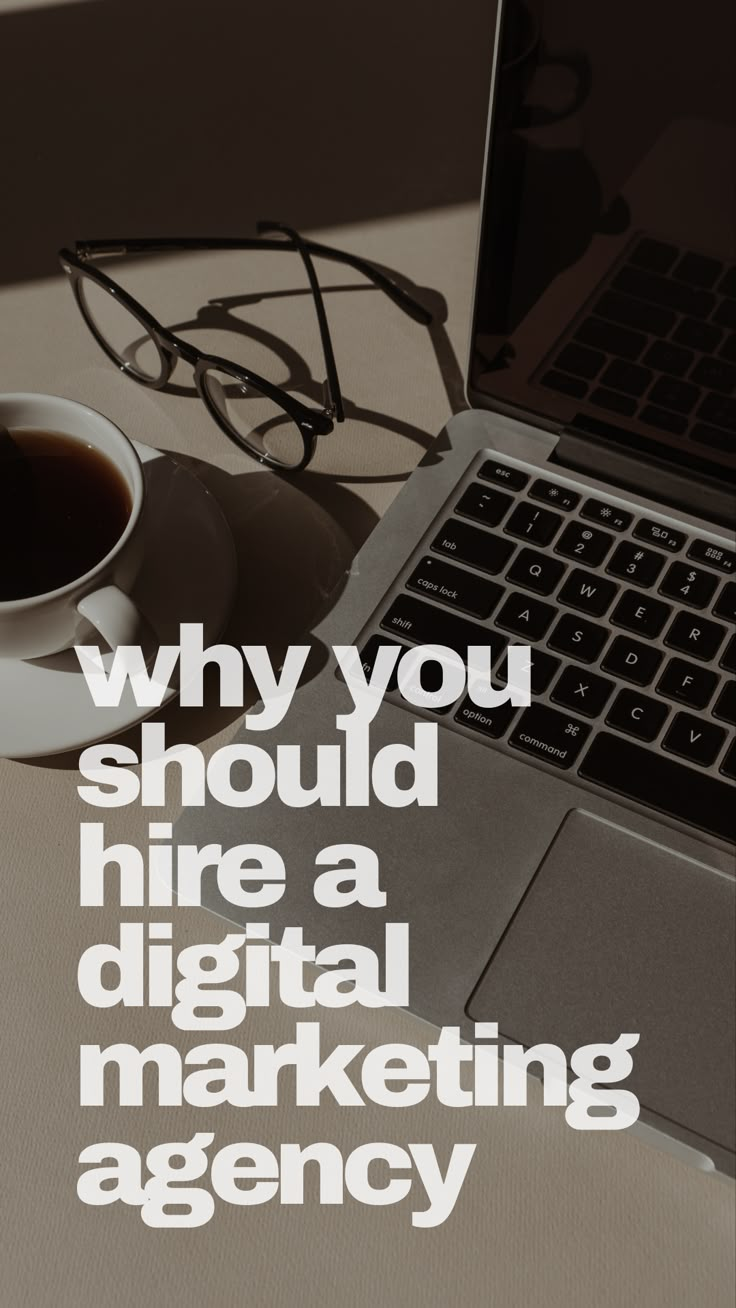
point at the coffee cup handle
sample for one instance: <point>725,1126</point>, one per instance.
<point>117,619</point>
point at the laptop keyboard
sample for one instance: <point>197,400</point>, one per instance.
<point>659,345</point>
<point>632,624</point>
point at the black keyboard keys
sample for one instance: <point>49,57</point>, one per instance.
<point>491,722</point>
<point>704,551</point>
<point>725,706</point>
<point>479,549</point>
<point>530,523</point>
<point>582,691</point>
<point>606,514</point>
<point>632,661</point>
<point>637,714</point>
<point>455,587</point>
<point>486,506</point>
<point>542,670</point>
<point>425,624</point>
<point>587,592</point>
<point>503,475</point>
<point>725,605</point>
<point>728,657</point>
<point>656,533</point>
<point>687,683</point>
<point>728,766</point>
<point>692,738</point>
<point>692,585</point>
<point>691,634</point>
<point>577,637</point>
<point>633,563</point>
<point>584,543</point>
<point>661,783</point>
<point>549,735</point>
<point>642,614</point>
<point>526,617</point>
<point>537,572</point>
<point>550,492</point>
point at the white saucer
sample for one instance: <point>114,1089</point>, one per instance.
<point>188,576</point>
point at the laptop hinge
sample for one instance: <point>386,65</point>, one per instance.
<point>701,496</point>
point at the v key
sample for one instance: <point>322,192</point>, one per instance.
<point>694,739</point>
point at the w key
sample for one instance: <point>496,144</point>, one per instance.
<point>585,591</point>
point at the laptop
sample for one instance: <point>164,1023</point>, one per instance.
<point>576,879</point>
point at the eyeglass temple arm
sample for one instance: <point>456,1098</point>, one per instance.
<point>162,245</point>
<point>334,394</point>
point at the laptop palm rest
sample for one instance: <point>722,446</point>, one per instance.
<point>618,934</point>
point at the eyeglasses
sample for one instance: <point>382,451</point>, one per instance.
<point>267,421</point>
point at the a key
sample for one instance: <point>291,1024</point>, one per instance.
<point>453,586</point>
<point>633,563</point>
<point>425,624</point>
<point>728,657</point>
<point>586,544</point>
<point>725,705</point>
<point>580,360</point>
<point>703,551</point>
<point>480,549</point>
<point>692,738</point>
<point>577,637</point>
<point>369,654</point>
<point>530,523</point>
<point>661,783</point>
<point>656,533</point>
<point>535,571</point>
<point>525,616</point>
<point>682,582</point>
<point>691,634</point>
<point>582,691</point>
<point>606,514</point>
<point>549,735</point>
<point>637,714</point>
<point>632,661</point>
<point>725,605</point>
<point>503,475</point>
<point>486,506</point>
<point>687,683</point>
<point>542,670</point>
<point>728,764</point>
<point>492,722</point>
<point>549,492</point>
<point>587,592</point>
<point>642,614</point>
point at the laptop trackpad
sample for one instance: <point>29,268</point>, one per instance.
<point>618,934</point>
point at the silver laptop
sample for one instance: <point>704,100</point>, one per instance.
<point>576,880</point>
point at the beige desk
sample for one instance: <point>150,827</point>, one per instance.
<point>548,1217</point>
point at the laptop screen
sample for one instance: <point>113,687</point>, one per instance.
<point>606,288</point>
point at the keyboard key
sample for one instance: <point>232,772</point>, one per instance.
<point>727,284</point>
<point>681,582</point>
<point>656,256</point>
<point>687,683</point>
<point>526,617</point>
<point>587,544</point>
<point>728,657</point>
<point>453,586</point>
<point>458,540</point>
<point>728,349</point>
<point>692,738</point>
<point>670,393</point>
<point>703,551</point>
<point>632,661</point>
<point>716,374</point>
<point>580,360</point>
<point>634,313</point>
<point>665,292</point>
<point>484,506</point>
<point>628,377</point>
<point>549,735</point>
<point>427,625</point>
<point>695,636</point>
<point>606,514</point>
<point>728,766</point>
<point>666,357</point>
<point>715,437</point>
<point>503,475</point>
<point>641,614</point>
<point>550,492</point>
<point>664,420</point>
<point>543,669</point>
<point>611,338</point>
<point>725,605</point>
<point>614,401</point>
<point>370,652</point>
<point>698,269</point>
<point>537,572</point>
<point>720,410</point>
<point>565,384</point>
<point>492,722</point>
<point>635,564</point>
<point>530,523</point>
<point>655,533</point>
<point>725,314</point>
<point>582,691</point>
<point>661,783</point>
<point>636,714</point>
<point>587,592</point>
<point>725,705</point>
<point>579,638</point>
<point>697,335</point>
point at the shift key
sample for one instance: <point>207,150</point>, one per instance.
<point>549,735</point>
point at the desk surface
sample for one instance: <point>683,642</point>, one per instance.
<point>547,1216</point>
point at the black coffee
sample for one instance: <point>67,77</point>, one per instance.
<point>63,506</point>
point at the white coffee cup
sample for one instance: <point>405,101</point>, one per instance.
<point>97,603</point>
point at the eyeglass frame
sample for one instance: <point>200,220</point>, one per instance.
<point>311,422</point>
